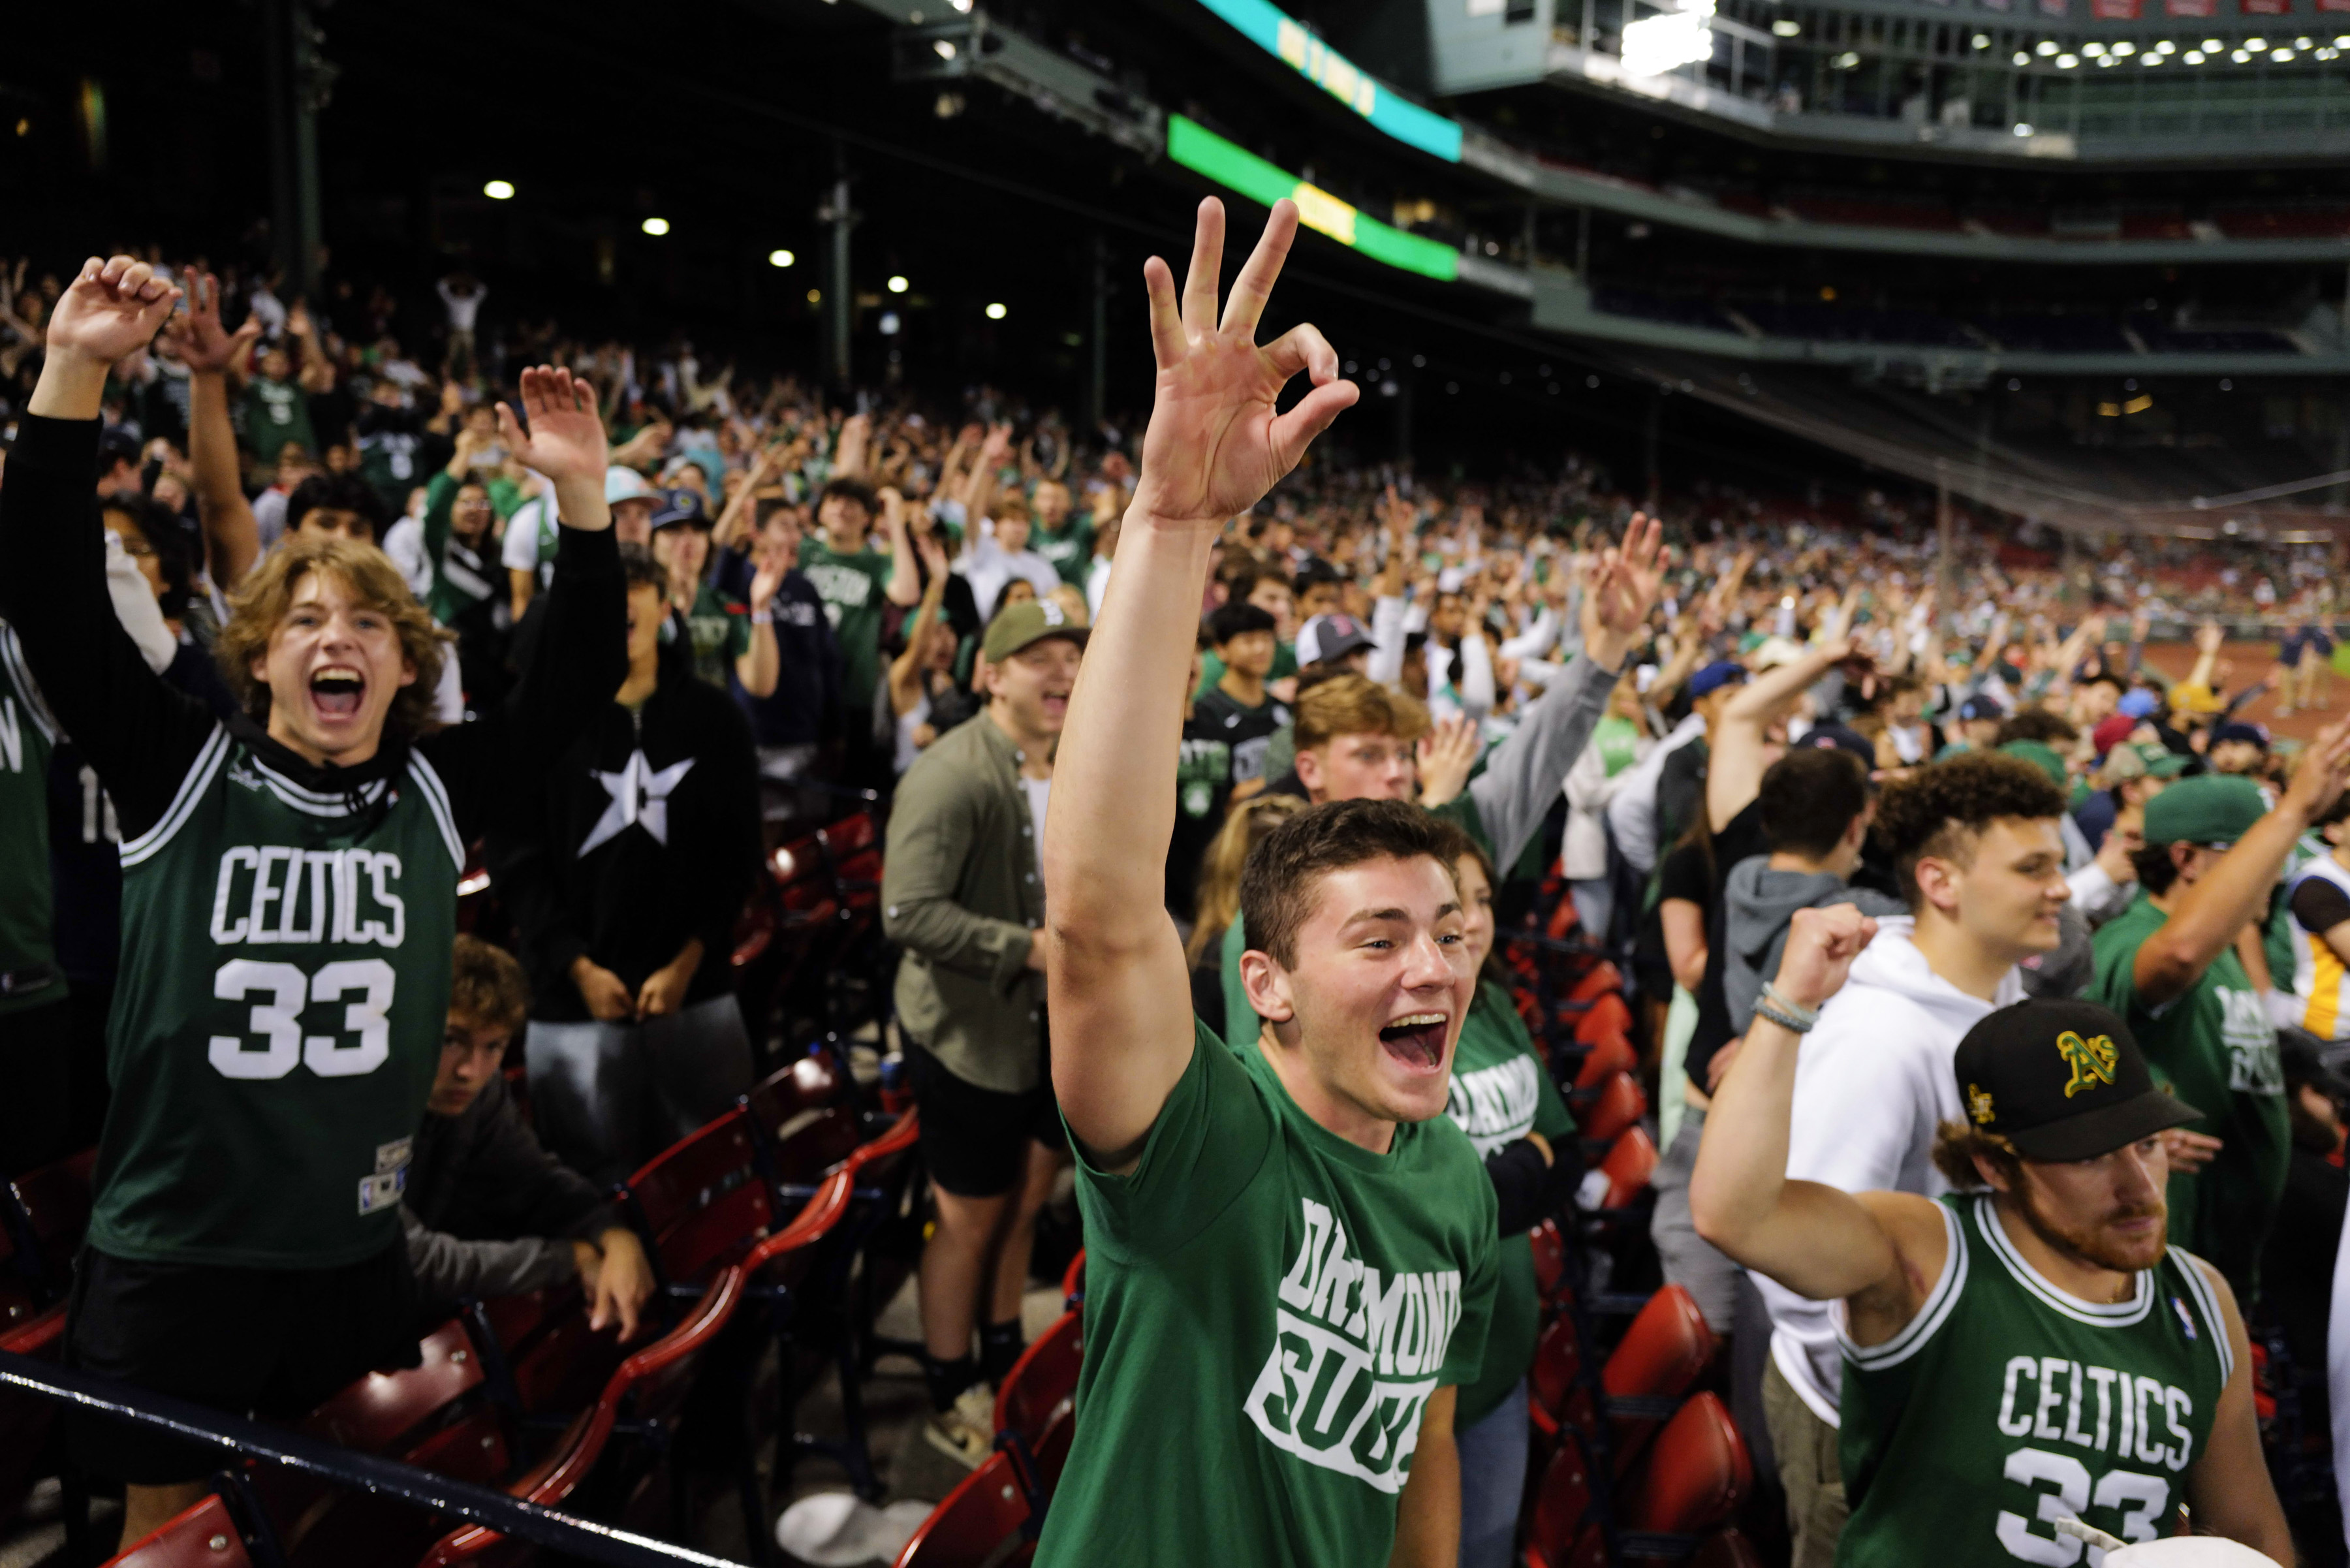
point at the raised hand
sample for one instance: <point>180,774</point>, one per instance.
<point>1821,945</point>
<point>1446,755</point>
<point>2318,778</point>
<point>565,442</point>
<point>111,309</point>
<point>197,337</point>
<point>1214,445</point>
<point>1621,588</point>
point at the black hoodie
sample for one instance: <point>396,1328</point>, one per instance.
<point>647,834</point>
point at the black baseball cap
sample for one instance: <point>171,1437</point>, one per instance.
<point>2060,1080</point>
<point>679,506</point>
<point>1841,738</point>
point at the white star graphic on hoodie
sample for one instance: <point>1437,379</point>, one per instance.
<point>639,795</point>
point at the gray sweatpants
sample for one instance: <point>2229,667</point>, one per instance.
<point>608,1096</point>
<point>1689,1258</point>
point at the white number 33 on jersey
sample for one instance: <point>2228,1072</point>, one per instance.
<point>279,1020</point>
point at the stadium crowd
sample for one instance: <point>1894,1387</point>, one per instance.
<point>1926,887</point>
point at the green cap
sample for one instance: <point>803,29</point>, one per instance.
<point>2212,809</point>
<point>2161,761</point>
<point>1029,621</point>
<point>2040,755</point>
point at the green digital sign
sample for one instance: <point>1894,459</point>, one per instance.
<point>1201,150</point>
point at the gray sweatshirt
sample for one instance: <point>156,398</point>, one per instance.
<point>1757,905</point>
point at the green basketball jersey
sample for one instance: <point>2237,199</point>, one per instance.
<point>29,976</point>
<point>277,1022</point>
<point>2007,1405</point>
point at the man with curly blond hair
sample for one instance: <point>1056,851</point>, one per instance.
<point>288,905</point>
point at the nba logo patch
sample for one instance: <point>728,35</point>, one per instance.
<point>2185,1318</point>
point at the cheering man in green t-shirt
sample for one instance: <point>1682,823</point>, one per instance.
<point>2168,965</point>
<point>1291,1253</point>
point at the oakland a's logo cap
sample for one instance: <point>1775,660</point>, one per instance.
<point>2062,1080</point>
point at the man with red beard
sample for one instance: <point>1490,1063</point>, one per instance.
<point>2028,1352</point>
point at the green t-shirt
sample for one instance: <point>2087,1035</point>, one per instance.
<point>28,958</point>
<point>721,630</point>
<point>276,412</point>
<point>2216,1049</point>
<point>1070,550</point>
<point>1618,740</point>
<point>1500,1093</point>
<point>853,591</point>
<point>462,576</point>
<point>1268,1308</point>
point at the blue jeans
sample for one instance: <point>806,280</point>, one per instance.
<point>1492,1482</point>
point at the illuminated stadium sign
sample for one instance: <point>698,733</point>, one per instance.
<point>1201,150</point>
<point>1278,33</point>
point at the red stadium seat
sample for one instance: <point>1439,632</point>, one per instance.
<point>1561,1533</point>
<point>1617,1105</point>
<point>1629,1164</point>
<point>803,1123</point>
<point>971,1527</point>
<point>699,1203</point>
<point>1558,1395</point>
<point>1609,1055</point>
<point>48,1212</point>
<point>1550,1259</point>
<point>1696,1472</point>
<point>1602,979</point>
<point>1659,1359</point>
<point>1044,1382</point>
<point>205,1536</point>
<point>1606,1015</point>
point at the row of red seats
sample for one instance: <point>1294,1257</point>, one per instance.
<point>767,1204</point>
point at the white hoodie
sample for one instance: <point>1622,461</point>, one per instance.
<point>1873,1082</point>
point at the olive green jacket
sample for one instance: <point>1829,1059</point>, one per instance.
<point>962,893</point>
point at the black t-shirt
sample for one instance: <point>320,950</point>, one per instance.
<point>1740,840</point>
<point>1203,790</point>
<point>1687,874</point>
<point>1248,731</point>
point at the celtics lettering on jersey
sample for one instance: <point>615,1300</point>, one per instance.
<point>1353,1359</point>
<point>285,980</point>
<point>2245,1028</point>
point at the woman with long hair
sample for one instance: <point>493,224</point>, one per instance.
<point>1218,902</point>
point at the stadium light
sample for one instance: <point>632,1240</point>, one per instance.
<point>2021,58</point>
<point>2125,49</point>
<point>1786,28</point>
<point>944,48</point>
<point>2044,47</point>
<point>898,283</point>
<point>2022,129</point>
<point>781,259</point>
<point>1655,45</point>
<point>2240,56</point>
<point>2212,45</point>
<point>2343,42</point>
<point>2093,48</point>
<point>2149,58</point>
<point>995,312</point>
<point>1848,61</point>
<point>815,296</point>
<point>655,226</point>
<point>2193,57</point>
<point>499,190</point>
<point>1980,40</point>
<point>2066,62</point>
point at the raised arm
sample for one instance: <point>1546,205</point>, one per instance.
<point>1734,774</point>
<point>232,537</point>
<point>2209,914</point>
<point>905,584</point>
<point>1121,999</point>
<point>1817,1240</point>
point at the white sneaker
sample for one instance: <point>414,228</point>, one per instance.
<point>966,1433</point>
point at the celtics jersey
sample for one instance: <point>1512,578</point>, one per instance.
<point>29,976</point>
<point>2320,985</point>
<point>277,1019</point>
<point>2007,1404</point>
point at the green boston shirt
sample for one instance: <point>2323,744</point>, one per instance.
<point>2006,1405</point>
<point>1500,1094</point>
<point>2216,1049</point>
<point>29,976</point>
<point>853,591</point>
<point>1268,1308</point>
<point>1070,550</point>
<point>284,987</point>
<point>721,630</point>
